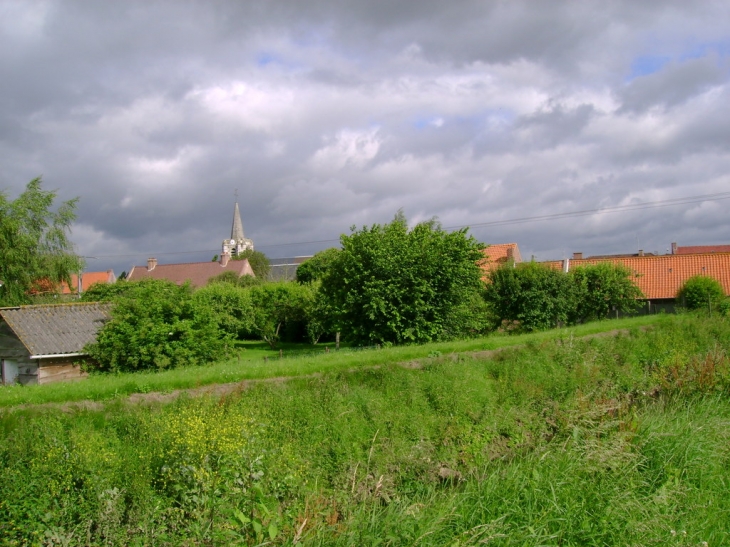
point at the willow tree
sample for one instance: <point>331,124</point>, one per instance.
<point>36,254</point>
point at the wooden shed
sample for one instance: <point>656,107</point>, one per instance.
<point>43,344</point>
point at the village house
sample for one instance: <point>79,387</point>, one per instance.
<point>45,343</point>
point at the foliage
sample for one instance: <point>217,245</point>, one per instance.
<point>35,252</point>
<point>531,294</point>
<point>395,285</point>
<point>700,291</point>
<point>156,324</point>
<point>235,279</point>
<point>230,304</point>
<point>602,289</point>
<point>276,305</point>
<point>259,262</point>
<point>314,269</point>
<point>109,292</point>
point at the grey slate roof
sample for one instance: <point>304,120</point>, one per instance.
<point>285,269</point>
<point>57,329</point>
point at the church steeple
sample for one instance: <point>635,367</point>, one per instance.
<point>238,242</point>
<point>237,226</point>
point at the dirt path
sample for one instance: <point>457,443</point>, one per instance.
<point>221,390</point>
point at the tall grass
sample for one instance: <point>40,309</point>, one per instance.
<point>608,441</point>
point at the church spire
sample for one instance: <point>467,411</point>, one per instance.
<point>238,242</point>
<point>237,226</point>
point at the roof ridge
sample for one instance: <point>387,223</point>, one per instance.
<point>57,305</point>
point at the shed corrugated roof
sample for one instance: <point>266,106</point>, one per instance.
<point>661,277</point>
<point>57,329</point>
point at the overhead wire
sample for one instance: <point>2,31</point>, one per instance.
<point>505,222</point>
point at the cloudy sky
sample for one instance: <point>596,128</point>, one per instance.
<point>328,114</point>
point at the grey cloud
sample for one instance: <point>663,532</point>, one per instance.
<point>673,85</point>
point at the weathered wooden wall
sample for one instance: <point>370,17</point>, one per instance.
<point>59,370</point>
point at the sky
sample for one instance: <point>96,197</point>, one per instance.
<point>323,115</point>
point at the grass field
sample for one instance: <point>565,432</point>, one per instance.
<point>620,440</point>
<point>248,363</point>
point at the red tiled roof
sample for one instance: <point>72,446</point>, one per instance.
<point>198,273</point>
<point>663,276</point>
<point>87,280</point>
<point>696,249</point>
<point>499,254</point>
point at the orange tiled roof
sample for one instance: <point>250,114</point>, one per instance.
<point>87,280</point>
<point>702,249</point>
<point>662,276</point>
<point>499,254</point>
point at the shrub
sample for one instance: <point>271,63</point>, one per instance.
<point>155,325</point>
<point>279,306</point>
<point>231,306</point>
<point>392,284</point>
<point>602,288</point>
<point>699,292</point>
<point>534,295</point>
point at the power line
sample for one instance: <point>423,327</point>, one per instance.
<point>600,211</point>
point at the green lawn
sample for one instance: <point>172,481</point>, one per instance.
<point>248,363</point>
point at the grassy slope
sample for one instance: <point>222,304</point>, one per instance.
<point>249,364</point>
<point>609,441</point>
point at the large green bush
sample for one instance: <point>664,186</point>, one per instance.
<point>701,291</point>
<point>602,289</point>
<point>157,324</point>
<point>533,296</point>
<point>231,306</point>
<point>392,284</point>
<point>278,308</point>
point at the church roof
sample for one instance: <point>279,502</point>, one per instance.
<point>197,273</point>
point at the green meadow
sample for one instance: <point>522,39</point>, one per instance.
<point>256,360</point>
<point>558,440</point>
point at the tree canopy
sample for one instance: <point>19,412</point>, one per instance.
<point>391,284</point>
<point>36,254</point>
<point>314,268</point>
<point>259,262</point>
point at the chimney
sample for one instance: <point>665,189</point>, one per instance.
<point>566,265</point>
<point>577,256</point>
<point>225,257</point>
<point>641,252</point>
<point>151,263</point>
<point>674,248</point>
